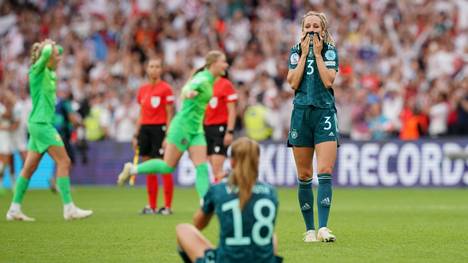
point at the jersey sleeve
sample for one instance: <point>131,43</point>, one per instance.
<point>208,201</point>
<point>294,56</point>
<point>196,83</point>
<point>231,94</point>
<point>330,57</point>
<point>41,63</point>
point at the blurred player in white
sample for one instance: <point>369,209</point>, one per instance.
<point>18,129</point>
<point>5,141</point>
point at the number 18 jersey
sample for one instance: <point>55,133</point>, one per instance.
<point>245,235</point>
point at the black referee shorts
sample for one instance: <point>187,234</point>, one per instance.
<point>214,139</point>
<point>150,140</point>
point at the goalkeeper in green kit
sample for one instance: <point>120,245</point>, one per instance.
<point>43,137</point>
<point>186,129</point>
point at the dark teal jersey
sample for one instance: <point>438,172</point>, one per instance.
<point>245,235</point>
<point>62,122</point>
<point>311,91</point>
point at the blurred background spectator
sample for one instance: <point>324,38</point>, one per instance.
<point>403,64</point>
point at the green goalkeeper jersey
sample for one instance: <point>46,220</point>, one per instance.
<point>192,112</point>
<point>42,86</point>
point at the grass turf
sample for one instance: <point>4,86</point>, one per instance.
<point>371,225</point>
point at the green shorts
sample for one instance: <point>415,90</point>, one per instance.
<point>183,139</point>
<point>42,136</point>
<point>311,125</point>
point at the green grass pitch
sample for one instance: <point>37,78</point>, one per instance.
<point>371,225</point>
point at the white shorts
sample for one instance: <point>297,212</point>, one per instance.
<point>5,142</point>
<point>19,141</point>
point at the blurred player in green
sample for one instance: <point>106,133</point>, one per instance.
<point>186,130</point>
<point>246,210</point>
<point>313,65</point>
<point>45,57</point>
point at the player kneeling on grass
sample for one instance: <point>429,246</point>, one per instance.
<point>43,137</point>
<point>246,210</point>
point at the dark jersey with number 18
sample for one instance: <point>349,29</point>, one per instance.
<point>245,235</point>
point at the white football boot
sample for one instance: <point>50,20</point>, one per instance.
<point>125,174</point>
<point>309,236</point>
<point>324,235</point>
<point>71,212</point>
<point>18,215</point>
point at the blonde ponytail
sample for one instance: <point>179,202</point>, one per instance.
<point>210,58</point>
<point>245,154</point>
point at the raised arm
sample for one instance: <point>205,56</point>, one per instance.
<point>327,75</point>
<point>44,57</point>
<point>297,61</point>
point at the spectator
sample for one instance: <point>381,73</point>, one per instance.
<point>255,121</point>
<point>413,123</point>
<point>126,115</point>
<point>97,123</point>
<point>105,44</point>
<point>380,126</point>
<point>438,115</point>
<point>462,112</point>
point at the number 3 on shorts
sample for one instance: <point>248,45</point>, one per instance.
<point>328,123</point>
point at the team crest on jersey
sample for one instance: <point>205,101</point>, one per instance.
<point>214,102</point>
<point>294,59</point>
<point>294,134</point>
<point>330,55</point>
<point>155,101</point>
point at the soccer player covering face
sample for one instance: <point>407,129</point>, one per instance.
<point>220,118</point>
<point>313,65</point>
<point>156,110</point>
<point>246,210</point>
<point>186,130</point>
<point>43,137</point>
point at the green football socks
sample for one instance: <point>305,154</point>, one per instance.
<point>306,202</point>
<point>202,180</point>
<point>20,189</point>
<point>156,166</point>
<point>324,198</point>
<point>63,184</point>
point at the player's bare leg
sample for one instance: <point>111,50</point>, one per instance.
<point>191,241</point>
<point>30,165</point>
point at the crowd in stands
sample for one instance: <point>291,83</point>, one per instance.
<point>403,64</point>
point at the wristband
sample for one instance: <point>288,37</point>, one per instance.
<point>230,131</point>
